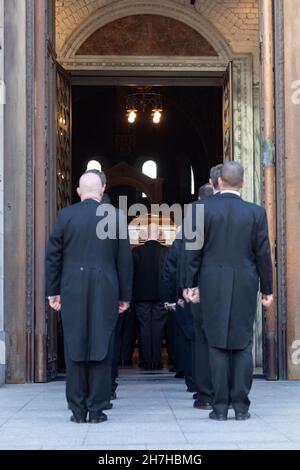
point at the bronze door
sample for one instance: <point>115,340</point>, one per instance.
<point>63,197</point>
<point>227,114</point>
<point>63,138</point>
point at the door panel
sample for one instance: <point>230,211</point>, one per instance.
<point>228,115</point>
<point>62,197</point>
<point>63,138</point>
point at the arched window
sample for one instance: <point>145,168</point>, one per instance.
<point>192,181</point>
<point>94,165</point>
<point>149,168</point>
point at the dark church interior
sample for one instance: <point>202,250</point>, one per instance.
<point>188,135</point>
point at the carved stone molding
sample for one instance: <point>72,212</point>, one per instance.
<point>128,63</point>
<point>243,119</point>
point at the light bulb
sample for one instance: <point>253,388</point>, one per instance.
<point>131,117</point>
<point>156,116</point>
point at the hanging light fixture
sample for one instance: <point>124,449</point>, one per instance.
<point>156,115</point>
<point>143,102</point>
<point>131,115</point>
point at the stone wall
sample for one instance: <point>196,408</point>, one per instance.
<point>15,211</point>
<point>292,145</point>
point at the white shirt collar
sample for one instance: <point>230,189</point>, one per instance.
<point>231,191</point>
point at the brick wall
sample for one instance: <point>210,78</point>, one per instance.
<point>236,20</point>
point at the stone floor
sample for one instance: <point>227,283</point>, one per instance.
<point>151,412</point>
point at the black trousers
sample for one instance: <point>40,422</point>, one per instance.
<point>184,344</point>
<point>201,371</point>
<point>128,337</point>
<point>170,334</point>
<point>116,350</point>
<point>152,318</point>
<point>88,384</point>
<point>232,373</point>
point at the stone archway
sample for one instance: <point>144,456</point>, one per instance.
<point>126,8</point>
<point>243,140</point>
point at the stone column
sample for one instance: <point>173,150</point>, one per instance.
<point>292,149</point>
<point>257,197</point>
<point>15,139</point>
<point>2,101</point>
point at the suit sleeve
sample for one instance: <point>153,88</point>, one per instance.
<point>190,258</point>
<point>263,255</point>
<point>169,275</point>
<point>54,258</point>
<point>124,263</point>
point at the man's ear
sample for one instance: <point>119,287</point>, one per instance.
<point>220,182</point>
<point>78,192</point>
<point>242,184</point>
<point>211,183</point>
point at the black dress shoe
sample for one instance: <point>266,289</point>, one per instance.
<point>191,389</point>
<point>108,406</point>
<point>242,416</point>
<point>97,417</point>
<point>113,396</point>
<point>78,419</point>
<point>202,405</point>
<point>196,396</point>
<point>217,416</point>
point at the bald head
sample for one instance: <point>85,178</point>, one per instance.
<point>90,187</point>
<point>232,176</point>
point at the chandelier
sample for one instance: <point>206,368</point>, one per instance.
<point>142,102</point>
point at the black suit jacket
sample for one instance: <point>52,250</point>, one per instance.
<point>234,257</point>
<point>91,275</point>
<point>171,272</point>
<point>148,272</point>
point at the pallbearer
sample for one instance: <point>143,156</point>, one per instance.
<point>225,277</point>
<point>89,278</point>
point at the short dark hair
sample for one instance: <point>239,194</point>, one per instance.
<point>232,174</point>
<point>215,173</point>
<point>101,174</point>
<point>205,191</point>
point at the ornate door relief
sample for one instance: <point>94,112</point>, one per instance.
<point>227,115</point>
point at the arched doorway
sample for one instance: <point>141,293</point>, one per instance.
<point>87,49</point>
<point>141,68</point>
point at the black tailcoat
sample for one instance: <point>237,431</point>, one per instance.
<point>91,275</point>
<point>234,257</point>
